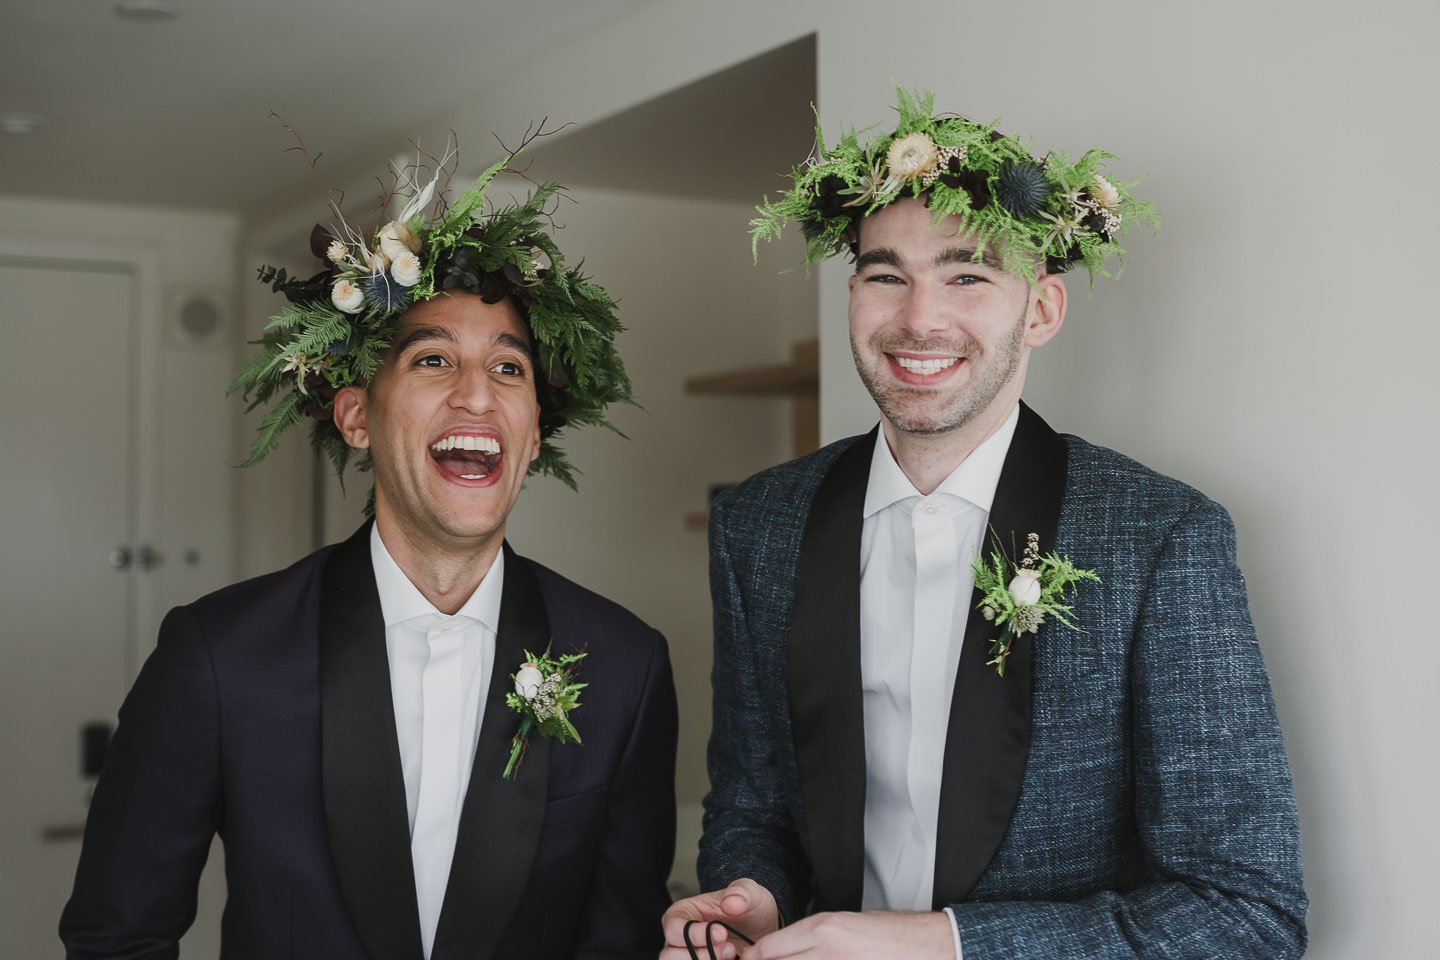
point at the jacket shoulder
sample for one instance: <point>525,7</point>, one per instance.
<point>280,589</point>
<point>1101,478</point>
<point>785,487</point>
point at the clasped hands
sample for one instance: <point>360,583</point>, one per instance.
<point>748,907</point>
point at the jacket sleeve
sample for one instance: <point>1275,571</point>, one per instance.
<point>748,829</point>
<point>1213,798</point>
<point>156,807</point>
<point>628,891</point>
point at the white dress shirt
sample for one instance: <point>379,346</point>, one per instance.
<point>915,591</point>
<point>440,670</point>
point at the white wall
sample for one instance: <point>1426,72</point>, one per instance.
<point>1267,346</point>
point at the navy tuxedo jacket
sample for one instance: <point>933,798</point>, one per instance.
<point>265,715</point>
<point>1119,793</point>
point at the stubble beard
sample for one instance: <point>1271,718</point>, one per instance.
<point>909,408</point>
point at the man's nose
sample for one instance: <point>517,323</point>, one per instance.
<point>921,313</point>
<point>472,390</point>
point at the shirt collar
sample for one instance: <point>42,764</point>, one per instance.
<point>401,600</point>
<point>974,480</point>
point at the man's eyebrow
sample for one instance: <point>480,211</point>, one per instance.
<point>966,255</point>
<point>508,339</point>
<point>879,255</point>
<point>421,335</point>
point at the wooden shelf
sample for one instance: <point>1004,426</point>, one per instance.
<point>801,375</point>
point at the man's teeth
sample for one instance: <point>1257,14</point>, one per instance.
<point>478,444</point>
<point>926,366</point>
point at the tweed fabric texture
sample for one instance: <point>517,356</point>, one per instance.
<point>1156,816</point>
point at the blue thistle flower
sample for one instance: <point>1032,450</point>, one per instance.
<point>387,295</point>
<point>1022,188</point>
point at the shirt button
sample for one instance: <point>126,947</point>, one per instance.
<point>930,509</point>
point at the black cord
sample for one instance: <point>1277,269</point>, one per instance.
<point>710,926</point>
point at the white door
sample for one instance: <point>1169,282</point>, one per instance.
<point>67,496</point>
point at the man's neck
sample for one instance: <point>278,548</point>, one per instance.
<point>446,576</point>
<point>927,459</point>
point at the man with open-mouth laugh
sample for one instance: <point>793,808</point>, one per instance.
<point>416,743</point>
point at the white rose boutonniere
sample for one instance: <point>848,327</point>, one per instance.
<point>1018,597</point>
<point>544,695</point>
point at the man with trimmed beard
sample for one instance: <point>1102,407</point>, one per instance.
<point>982,690</point>
<point>416,743</point>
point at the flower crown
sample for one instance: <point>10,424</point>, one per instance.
<point>1028,211</point>
<point>339,323</point>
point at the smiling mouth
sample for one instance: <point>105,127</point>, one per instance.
<point>927,367</point>
<point>467,457</point>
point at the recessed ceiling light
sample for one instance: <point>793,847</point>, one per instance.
<point>148,10</point>
<point>20,123</point>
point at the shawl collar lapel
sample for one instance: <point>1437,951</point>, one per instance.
<point>826,698</point>
<point>501,819</point>
<point>364,787</point>
<point>989,734</point>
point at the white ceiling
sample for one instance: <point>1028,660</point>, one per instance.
<point>732,135</point>
<point>177,113</point>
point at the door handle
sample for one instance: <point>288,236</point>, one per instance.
<point>144,558</point>
<point>147,558</point>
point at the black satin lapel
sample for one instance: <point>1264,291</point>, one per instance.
<point>364,784</point>
<point>989,734</point>
<point>826,698</point>
<point>500,821</point>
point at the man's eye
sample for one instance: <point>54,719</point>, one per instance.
<point>509,368</point>
<point>883,278</point>
<point>968,279</point>
<point>430,360</point>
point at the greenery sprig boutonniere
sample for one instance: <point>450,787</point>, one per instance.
<point>1019,597</point>
<point>544,695</point>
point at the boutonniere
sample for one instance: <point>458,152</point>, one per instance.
<point>1018,597</point>
<point>544,695</point>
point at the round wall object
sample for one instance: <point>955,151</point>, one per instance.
<point>196,317</point>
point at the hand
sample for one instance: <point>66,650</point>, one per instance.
<point>837,936</point>
<point>744,905</point>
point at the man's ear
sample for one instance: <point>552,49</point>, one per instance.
<point>349,417</point>
<point>1047,310</point>
<point>535,441</point>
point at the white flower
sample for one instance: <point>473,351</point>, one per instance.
<point>913,155</point>
<point>406,269</point>
<point>337,252</point>
<point>295,363</point>
<point>1025,588</point>
<point>528,680</point>
<point>396,239</point>
<point>1103,192</point>
<point>347,297</point>
<point>377,263</point>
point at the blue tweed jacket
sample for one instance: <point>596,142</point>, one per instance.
<point>1120,793</point>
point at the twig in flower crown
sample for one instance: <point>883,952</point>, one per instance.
<point>334,195</point>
